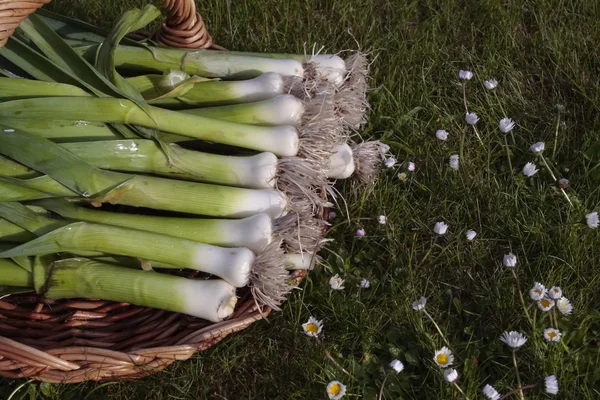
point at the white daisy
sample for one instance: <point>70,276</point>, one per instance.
<point>537,147</point>
<point>513,339</point>
<point>397,366</point>
<point>551,384</point>
<point>509,260</point>
<point>466,75</point>
<point>418,305</point>
<point>332,214</point>
<point>537,292</point>
<point>402,176</point>
<point>490,392</point>
<point>360,232</point>
<point>336,282</point>
<point>365,284</point>
<point>382,219</point>
<point>336,390</point>
<point>312,327</point>
<point>552,335</point>
<point>441,134</point>
<point>530,169</point>
<point>564,306</point>
<point>491,84</point>
<point>555,292</point>
<point>506,125</point>
<point>471,118</point>
<point>453,162</point>
<point>390,162</point>
<point>443,357</point>
<point>440,228</point>
<point>545,304</point>
<point>411,166</point>
<point>471,234</point>
<point>450,375</point>
<point>592,220</point>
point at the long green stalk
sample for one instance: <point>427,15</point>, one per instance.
<point>161,194</point>
<point>13,89</point>
<point>180,91</point>
<point>10,232</point>
<point>146,156</point>
<point>60,131</point>
<point>280,110</point>
<point>282,140</point>
<point>11,274</point>
<point>205,63</point>
<point>213,300</point>
<point>231,264</point>
<point>254,232</point>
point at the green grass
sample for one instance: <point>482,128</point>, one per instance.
<point>543,53</point>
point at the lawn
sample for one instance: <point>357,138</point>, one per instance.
<point>543,53</point>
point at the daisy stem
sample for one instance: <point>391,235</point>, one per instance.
<point>556,135</point>
<point>461,391</point>
<point>534,317</point>
<point>382,386</point>
<point>437,327</point>
<point>514,354</point>
<point>328,354</point>
<point>478,137</point>
<point>519,389</point>
<point>508,155</point>
<point>521,297</point>
<point>555,322</point>
<point>554,177</point>
<point>465,97</point>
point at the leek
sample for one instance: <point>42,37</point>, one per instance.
<point>174,90</point>
<point>232,264</point>
<point>254,232</point>
<point>205,63</point>
<point>281,110</point>
<point>11,274</point>
<point>161,194</point>
<point>213,300</point>
<point>146,156</point>
<point>280,140</point>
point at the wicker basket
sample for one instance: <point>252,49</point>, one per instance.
<point>76,340</point>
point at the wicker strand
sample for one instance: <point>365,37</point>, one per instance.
<point>184,27</point>
<point>12,13</point>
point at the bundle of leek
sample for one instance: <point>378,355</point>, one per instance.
<point>76,135</point>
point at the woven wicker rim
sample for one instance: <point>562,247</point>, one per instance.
<point>73,340</point>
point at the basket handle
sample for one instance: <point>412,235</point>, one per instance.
<point>184,26</point>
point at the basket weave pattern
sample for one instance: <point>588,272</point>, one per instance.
<point>75,340</point>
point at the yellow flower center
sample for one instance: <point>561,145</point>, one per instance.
<point>335,389</point>
<point>545,303</point>
<point>442,359</point>
<point>538,291</point>
<point>312,328</point>
<point>551,334</point>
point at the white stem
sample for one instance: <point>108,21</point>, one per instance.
<point>341,163</point>
<point>330,67</point>
<point>301,261</point>
<point>254,232</point>
<point>262,87</point>
<point>213,299</point>
<point>284,109</point>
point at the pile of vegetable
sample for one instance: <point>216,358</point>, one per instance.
<point>124,166</point>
